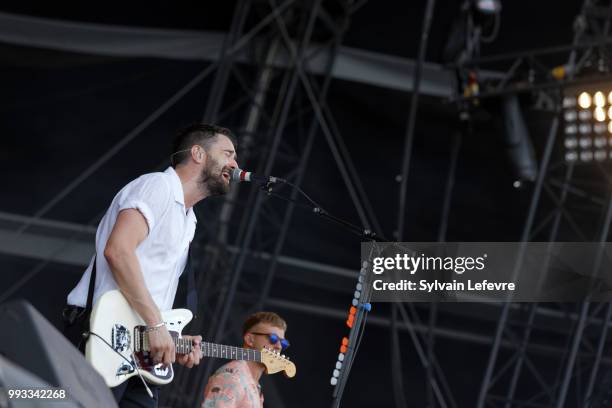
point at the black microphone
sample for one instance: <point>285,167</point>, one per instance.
<point>239,176</point>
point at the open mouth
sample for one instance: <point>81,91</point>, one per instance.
<point>226,176</point>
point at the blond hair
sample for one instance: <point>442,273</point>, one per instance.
<point>263,317</point>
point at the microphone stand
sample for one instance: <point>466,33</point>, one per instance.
<point>364,233</point>
<point>362,304</point>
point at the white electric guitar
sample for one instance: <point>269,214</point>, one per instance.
<point>118,346</point>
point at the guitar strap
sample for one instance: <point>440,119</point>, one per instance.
<point>192,293</point>
<point>90,293</point>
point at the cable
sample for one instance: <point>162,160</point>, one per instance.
<point>140,375</point>
<point>313,202</point>
<point>494,31</point>
<point>109,345</point>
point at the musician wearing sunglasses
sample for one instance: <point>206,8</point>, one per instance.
<point>236,384</point>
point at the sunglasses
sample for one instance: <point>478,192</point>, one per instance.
<point>274,339</point>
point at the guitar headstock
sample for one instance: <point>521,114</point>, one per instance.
<point>275,362</point>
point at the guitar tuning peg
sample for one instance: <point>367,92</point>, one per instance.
<point>282,355</point>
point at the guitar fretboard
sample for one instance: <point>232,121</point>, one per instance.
<point>184,346</point>
<point>230,352</point>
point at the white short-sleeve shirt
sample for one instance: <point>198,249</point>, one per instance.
<point>162,254</point>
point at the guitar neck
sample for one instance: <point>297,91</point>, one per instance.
<point>184,346</point>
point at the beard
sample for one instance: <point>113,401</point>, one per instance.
<point>211,180</point>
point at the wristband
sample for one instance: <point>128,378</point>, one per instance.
<point>153,328</point>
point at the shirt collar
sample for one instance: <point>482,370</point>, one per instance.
<point>177,187</point>
<point>177,191</point>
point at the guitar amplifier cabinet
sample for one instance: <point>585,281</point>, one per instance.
<point>31,342</point>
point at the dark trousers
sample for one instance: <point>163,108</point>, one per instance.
<point>129,394</point>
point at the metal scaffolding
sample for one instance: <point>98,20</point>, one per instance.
<point>517,378</point>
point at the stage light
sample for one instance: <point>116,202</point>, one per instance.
<point>600,142</point>
<point>570,102</point>
<point>587,124</point>
<point>571,142</point>
<point>571,156</point>
<point>571,115</point>
<point>584,128</point>
<point>586,156</point>
<point>585,115</point>
<point>585,142</point>
<point>488,6</point>
<point>584,100</point>
<point>599,99</point>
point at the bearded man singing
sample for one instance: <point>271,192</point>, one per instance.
<point>142,245</point>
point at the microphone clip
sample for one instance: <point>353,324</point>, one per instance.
<point>268,187</point>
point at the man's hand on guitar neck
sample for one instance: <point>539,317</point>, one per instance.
<point>193,358</point>
<point>161,346</point>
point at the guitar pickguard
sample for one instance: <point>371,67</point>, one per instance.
<point>121,341</point>
<point>125,368</point>
<point>144,359</point>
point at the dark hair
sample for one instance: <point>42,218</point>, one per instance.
<point>263,317</point>
<point>196,134</point>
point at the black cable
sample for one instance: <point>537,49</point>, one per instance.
<point>289,200</point>
<point>494,31</point>
<point>313,202</point>
<point>133,365</point>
